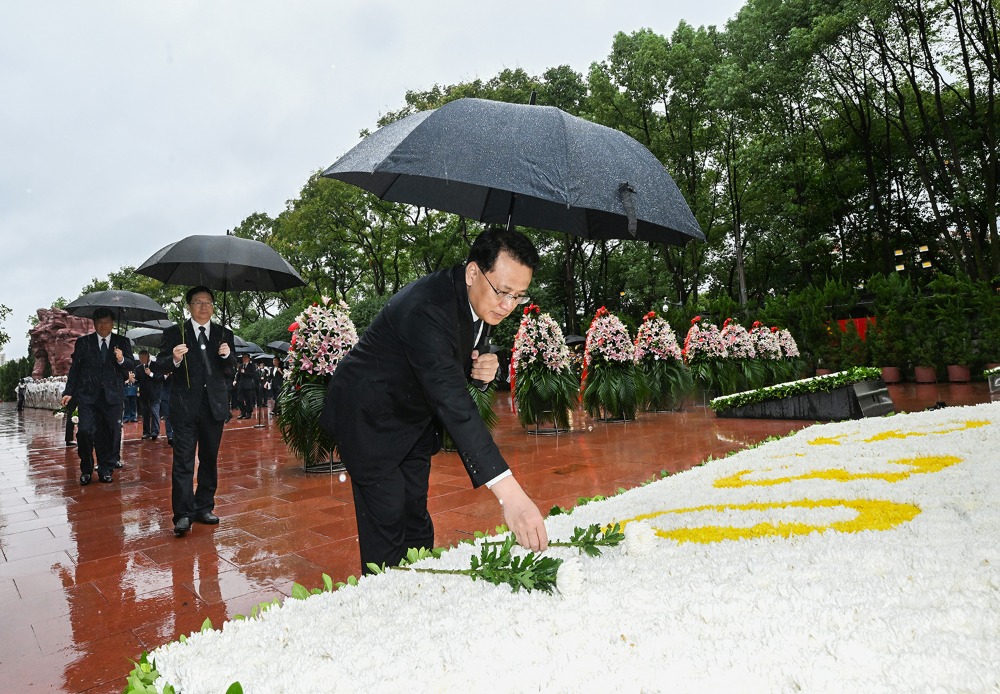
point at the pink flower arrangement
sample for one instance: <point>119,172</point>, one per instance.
<point>739,344</point>
<point>607,340</point>
<point>656,340</point>
<point>789,348</point>
<point>765,341</point>
<point>539,342</point>
<point>703,342</point>
<point>321,336</point>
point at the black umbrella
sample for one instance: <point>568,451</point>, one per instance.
<point>263,357</point>
<point>161,323</point>
<point>534,166</point>
<point>574,339</point>
<point>125,305</point>
<point>278,344</point>
<point>226,263</point>
<point>245,347</point>
<point>145,337</point>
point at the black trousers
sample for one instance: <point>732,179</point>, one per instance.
<point>99,431</point>
<point>247,401</point>
<point>203,435</point>
<point>392,513</point>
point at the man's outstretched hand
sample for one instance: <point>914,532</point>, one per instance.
<point>521,515</point>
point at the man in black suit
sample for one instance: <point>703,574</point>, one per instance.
<point>150,385</point>
<point>200,363</point>
<point>101,362</point>
<point>407,377</point>
<point>246,386</point>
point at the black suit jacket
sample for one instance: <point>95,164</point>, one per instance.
<point>246,377</point>
<point>150,387</point>
<point>189,380</point>
<point>89,375</point>
<point>410,367</point>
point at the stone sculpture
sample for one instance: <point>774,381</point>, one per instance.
<point>53,339</point>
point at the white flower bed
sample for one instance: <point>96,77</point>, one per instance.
<point>915,607</point>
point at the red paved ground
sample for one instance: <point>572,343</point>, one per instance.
<point>92,576</point>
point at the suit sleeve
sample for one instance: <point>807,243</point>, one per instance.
<point>164,363</point>
<point>432,349</point>
<point>73,377</point>
<point>128,359</point>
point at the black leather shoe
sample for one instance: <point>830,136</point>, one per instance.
<point>170,442</point>
<point>107,478</point>
<point>145,436</point>
<point>84,480</point>
<point>153,438</point>
<point>182,526</point>
<point>208,518</point>
<point>118,465</point>
<point>70,443</point>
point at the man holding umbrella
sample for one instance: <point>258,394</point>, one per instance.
<point>199,362</point>
<point>101,362</point>
<point>407,377</point>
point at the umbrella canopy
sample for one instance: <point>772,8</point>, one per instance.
<point>226,263</point>
<point>280,345</point>
<point>145,337</point>
<point>126,305</point>
<point>574,339</point>
<point>263,357</point>
<point>535,166</point>
<point>161,323</point>
<point>245,347</point>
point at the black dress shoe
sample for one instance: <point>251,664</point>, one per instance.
<point>153,438</point>
<point>84,480</point>
<point>107,478</point>
<point>208,518</point>
<point>145,436</point>
<point>182,526</point>
<point>118,465</point>
<point>70,443</point>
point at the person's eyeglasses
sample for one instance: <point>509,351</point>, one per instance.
<point>202,303</point>
<point>506,296</point>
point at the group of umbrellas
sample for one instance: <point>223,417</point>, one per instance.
<point>495,162</point>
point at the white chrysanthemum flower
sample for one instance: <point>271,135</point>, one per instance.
<point>640,538</point>
<point>571,578</point>
<point>76,419</point>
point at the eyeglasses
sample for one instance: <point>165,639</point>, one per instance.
<point>506,296</point>
<point>202,303</point>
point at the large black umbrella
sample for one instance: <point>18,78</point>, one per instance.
<point>226,263</point>
<point>145,337</point>
<point>244,347</point>
<point>280,345</point>
<point>125,305</point>
<point>525,165</point>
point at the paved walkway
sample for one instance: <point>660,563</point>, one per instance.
<point>92,576</point>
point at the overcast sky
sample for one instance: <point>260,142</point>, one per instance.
<point>126,126</point>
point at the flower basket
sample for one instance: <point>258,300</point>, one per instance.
<point>611,391</point>
<point>541,378</point>
<point>707,358</point>
<point>321,336</point>
<point>751,372</point>
<point>660,364</point>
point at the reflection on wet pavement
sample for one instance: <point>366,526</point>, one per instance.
<point>92,576</point>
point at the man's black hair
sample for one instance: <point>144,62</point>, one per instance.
<point>143,351</point>
<point>491,242</point>
<point>197,290</point>
<point>102,312</point>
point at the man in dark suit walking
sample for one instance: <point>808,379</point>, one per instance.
<point>200,363</point>
<point>150,385</point>
<point>407,377</point>
<point>97,373</point>
<point>246,386</point>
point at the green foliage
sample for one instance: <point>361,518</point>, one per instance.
<point>274,329</point>
<point>363,311</point>
<point>542,394</point>
<point>813,385</point>
<point>300,406</point>
<point>11,373</point>
<point>611,390</point>
<point>4,337</point>
<point>591,539</point>
<point>667,383</point>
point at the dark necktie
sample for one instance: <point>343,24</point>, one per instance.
<point>476,325</point>
<point>104,349</point>
<point>203,342</point>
